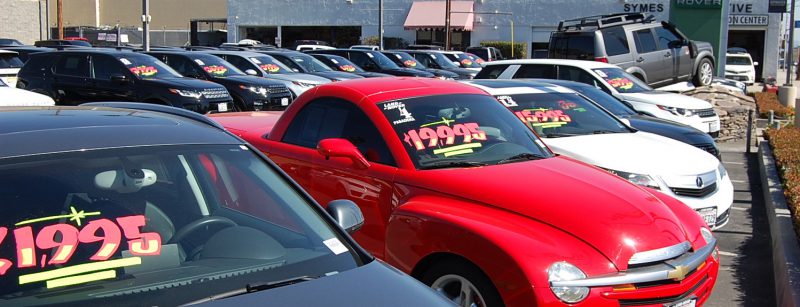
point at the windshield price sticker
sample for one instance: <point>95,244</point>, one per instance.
<point>544,118</point>
<point>347,68</point>
<point>144,71</point>
<point>400,107</point>
<point>479,61</point>
<point>199,62</point>
<point>443,134</point>
<point>55,244</point>
<point>507,101</point>
<point>621,83</point>
<point>125,61</point>
<point>466,62</point>
<point>335,246</point>
<point>334,61</point>
<point>255,60</point>
<point>215,69</point>
<point>410,63</point>
<point>270,67</point>
<point>601,73</point>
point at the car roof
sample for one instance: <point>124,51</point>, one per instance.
<point>28,131</point>
<point>233,52</point>
<point>576,63</point>
<point>511,87</point>
<point>383,89</point>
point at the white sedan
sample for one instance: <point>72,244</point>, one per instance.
<point>12,97</point>
<point>615,81</point>
<point>572,125</point>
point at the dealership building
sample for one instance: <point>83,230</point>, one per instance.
<point>346,22</point>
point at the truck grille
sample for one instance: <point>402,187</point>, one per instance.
<point>703,192</point>
<point>278,90</point>
<point>706,112</point>
<point>215,93</point>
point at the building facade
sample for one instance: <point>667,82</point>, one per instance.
<point>347,22</point>
<point>23,20</point>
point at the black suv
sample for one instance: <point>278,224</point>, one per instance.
<point>657,53</point>
<point>374,61</point>
<point>84,75</point>
<point>404,59</point>
<point>304,63</point>
<point>438,60</point>
<point>149,205</point>
<point>250,93</point>
<point>62,43</point>
<point>341,64</point>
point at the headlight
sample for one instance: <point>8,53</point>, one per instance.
<point>303,84</point>
<point>707,235</point>
<point>722,171</point>
<point>677,111</point>
<point>257,90</point>
<point>563,271</point>
<point>187,93</point>
<point>640,179</point>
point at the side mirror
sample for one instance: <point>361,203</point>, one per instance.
<point>119,79</point>
<point>342,148</point>
<point>755,63</point>
<point>347,214</point>
<point>251,72</point>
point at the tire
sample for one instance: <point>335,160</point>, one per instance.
<point>703,73</point>
<point>450,277</point>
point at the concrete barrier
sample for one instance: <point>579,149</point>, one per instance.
<point>785,245</point>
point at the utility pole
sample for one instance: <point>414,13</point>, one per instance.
<point>447,25</point>
<point>60,18</point>
<point>380,23</point>
<point>146,25</point>
<point>47,19</point>
<point>790,50</point>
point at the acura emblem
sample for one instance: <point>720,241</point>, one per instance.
<point>699,182</point>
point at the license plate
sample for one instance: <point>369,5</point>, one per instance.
<point>692,302</point>
<point>709,215</point>
<point>222,107</point>
<point>713,126</point>
<point>284,102</point>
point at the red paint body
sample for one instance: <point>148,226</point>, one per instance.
<point>512,220</point>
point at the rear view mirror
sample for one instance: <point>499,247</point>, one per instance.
<point>347,214</point>
<point>119,79</point>
<point>344,149</point>
<point>251,72</point>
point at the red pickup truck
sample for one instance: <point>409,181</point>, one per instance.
<point>460,194</point>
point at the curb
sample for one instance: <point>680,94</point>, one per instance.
<point>785,245</point>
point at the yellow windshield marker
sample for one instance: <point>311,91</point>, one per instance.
<point>79,269</point>
<point>81,279</point>
<point>457,148</point>
<point>74,215</point>
<point>458,152</point>
<point>443,121</point>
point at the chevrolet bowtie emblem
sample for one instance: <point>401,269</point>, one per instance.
<point>679,273</point>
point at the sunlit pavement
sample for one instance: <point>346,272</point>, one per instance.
<point>746,276</point>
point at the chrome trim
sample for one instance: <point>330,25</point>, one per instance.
<point>660,254</point>
<point>671,269</point>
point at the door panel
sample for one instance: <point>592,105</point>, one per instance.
<point>649,58</point>
<point>71,80</point>
<point>681,59</point>
<point>103,67</point>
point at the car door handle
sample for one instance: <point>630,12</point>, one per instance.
<point>640,59</point>
<point>668,54</point>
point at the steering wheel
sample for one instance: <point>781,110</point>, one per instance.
<point>199,224</point>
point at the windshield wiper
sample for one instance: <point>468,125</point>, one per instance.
<point>521,157</point>
<point>449,164</point>
<point>250,288</point>
<point>559,135</point>
<point>604,132</point>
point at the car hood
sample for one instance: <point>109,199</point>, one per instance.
<point>374,284</point>
<point>670,129</point>
<point>639,152</point>
<point>336,75</point>
<point>739,68</point>
<point>463,71</point>
<point>610,214</point>
<point>300,77</point>
<point>368,74</point>
<point>668,99</point>
<point>441,72</point>
<point>252,80</point>
<point>407,72</point>
<point>183,83</point>
<point>10,96</point>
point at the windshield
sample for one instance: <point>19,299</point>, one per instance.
<point>476,59</point>
<point>622,81</point>
<point>561,114</point>
<point>442,60</point>
<point>480,52</point>
<point>738,60</point>
<point>463,59</point>
<point>10,60</point>
<point>147,67</point>
<point>270,65</point>
<point>10,42</point>
<point>608,102</point>
<point>309,63</point>
<point>463,128</point>
<point>344,64</point>
<point>383,61</point>
<point>216,66</point>
<point>405,60</point>
<point>158,226</point>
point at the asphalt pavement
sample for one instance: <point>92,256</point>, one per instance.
<point>746,275</point>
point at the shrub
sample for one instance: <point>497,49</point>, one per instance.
<point>785,143</point>
<point>520,52</point>
<point>766,101</point>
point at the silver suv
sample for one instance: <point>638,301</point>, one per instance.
<point>656,53</point>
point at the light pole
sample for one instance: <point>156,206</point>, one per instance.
<point>790,50</point>
<point>145,25</point>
